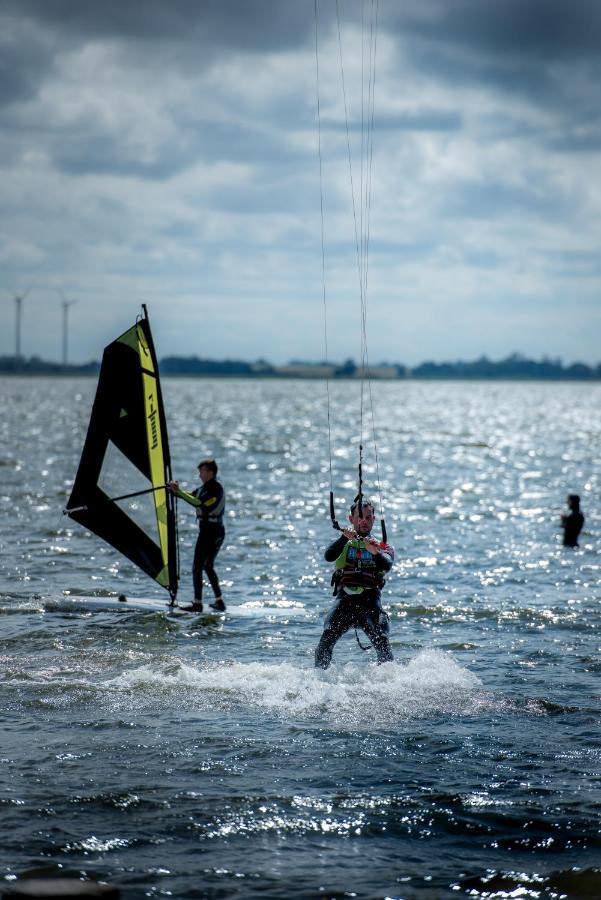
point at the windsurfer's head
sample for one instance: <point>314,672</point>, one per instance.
<point>362,516</point>
<point>574,502</point>
<point>207,468</point>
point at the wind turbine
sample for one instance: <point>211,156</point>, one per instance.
<point>66,304</point>
<point>19,311</point>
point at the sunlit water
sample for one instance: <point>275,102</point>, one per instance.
<point>207,758</point>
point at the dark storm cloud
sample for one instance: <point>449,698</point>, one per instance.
<point>182,32</point>
<point>154,37</point>
<point>508,43</point>
<point>101,154</point>
<point>469,67</point>
<point>544,53</point>
<point>255,26</point>
<point>25,59</point>
<point>534,31</point>
<point>586,139</point>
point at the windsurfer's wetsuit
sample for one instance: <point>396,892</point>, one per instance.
<point>358,580</point>
<point>209,502</point>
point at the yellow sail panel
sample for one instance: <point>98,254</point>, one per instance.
<point>156,459</point>
<point>155,449</point>
<point>131,338</point>
<point>163,577</point>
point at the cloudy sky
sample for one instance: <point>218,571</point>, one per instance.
<point>167,152</point>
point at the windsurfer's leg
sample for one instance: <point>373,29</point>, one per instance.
<point>198,565</point>
<point>212,574</point>
<point>376,625</point>
<point>337,622</point>
<point>212,552</point>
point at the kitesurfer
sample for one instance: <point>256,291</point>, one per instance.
<point>209,501</point>
<point>358,580</point>
<point>572,522</point>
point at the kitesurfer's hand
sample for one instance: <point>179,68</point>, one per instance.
<point>372,546</point>
<point>349,534</point>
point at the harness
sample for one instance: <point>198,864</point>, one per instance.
<point>212,503</point>
<point>356,568</point>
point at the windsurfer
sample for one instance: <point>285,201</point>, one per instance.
<point>209,502</point>
<point>358,580</point>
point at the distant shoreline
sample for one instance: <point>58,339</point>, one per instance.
<point>513,368</point>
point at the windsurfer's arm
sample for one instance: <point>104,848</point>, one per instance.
<point>177,490</point>
<point>335,549</point>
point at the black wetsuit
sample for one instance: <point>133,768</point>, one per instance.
<point>356,610</point>
<point>572,526</point>
<point>209,501</point>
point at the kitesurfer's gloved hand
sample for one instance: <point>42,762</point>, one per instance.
<point>372,546</point>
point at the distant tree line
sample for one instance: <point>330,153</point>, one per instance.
<point>19,365</point>
<point>515,366</point>
<point>192,365</point>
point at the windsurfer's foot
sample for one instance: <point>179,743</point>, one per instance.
<point>218,604</point>
<point>196,606</point>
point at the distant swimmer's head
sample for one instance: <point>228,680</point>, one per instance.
<point>362,516</point>
<point>574,502</point>
<point>207,468</point>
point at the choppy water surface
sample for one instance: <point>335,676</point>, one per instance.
<point>176,757</point>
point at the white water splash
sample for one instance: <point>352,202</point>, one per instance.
<point>431,683</point>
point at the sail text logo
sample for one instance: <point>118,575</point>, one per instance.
<point>152,417</point>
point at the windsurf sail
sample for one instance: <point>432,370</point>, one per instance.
<point>120,488</point>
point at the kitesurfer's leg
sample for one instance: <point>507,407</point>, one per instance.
<point>338,620</point>
<point>376,625</point>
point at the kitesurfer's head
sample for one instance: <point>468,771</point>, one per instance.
<point>362,516</point>
<point>207,469</point>
<point>574,502</point>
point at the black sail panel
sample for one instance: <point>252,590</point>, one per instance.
<point>126,452</point>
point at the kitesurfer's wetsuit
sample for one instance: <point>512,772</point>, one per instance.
<point>358,580</point>
<point>209,501</point>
